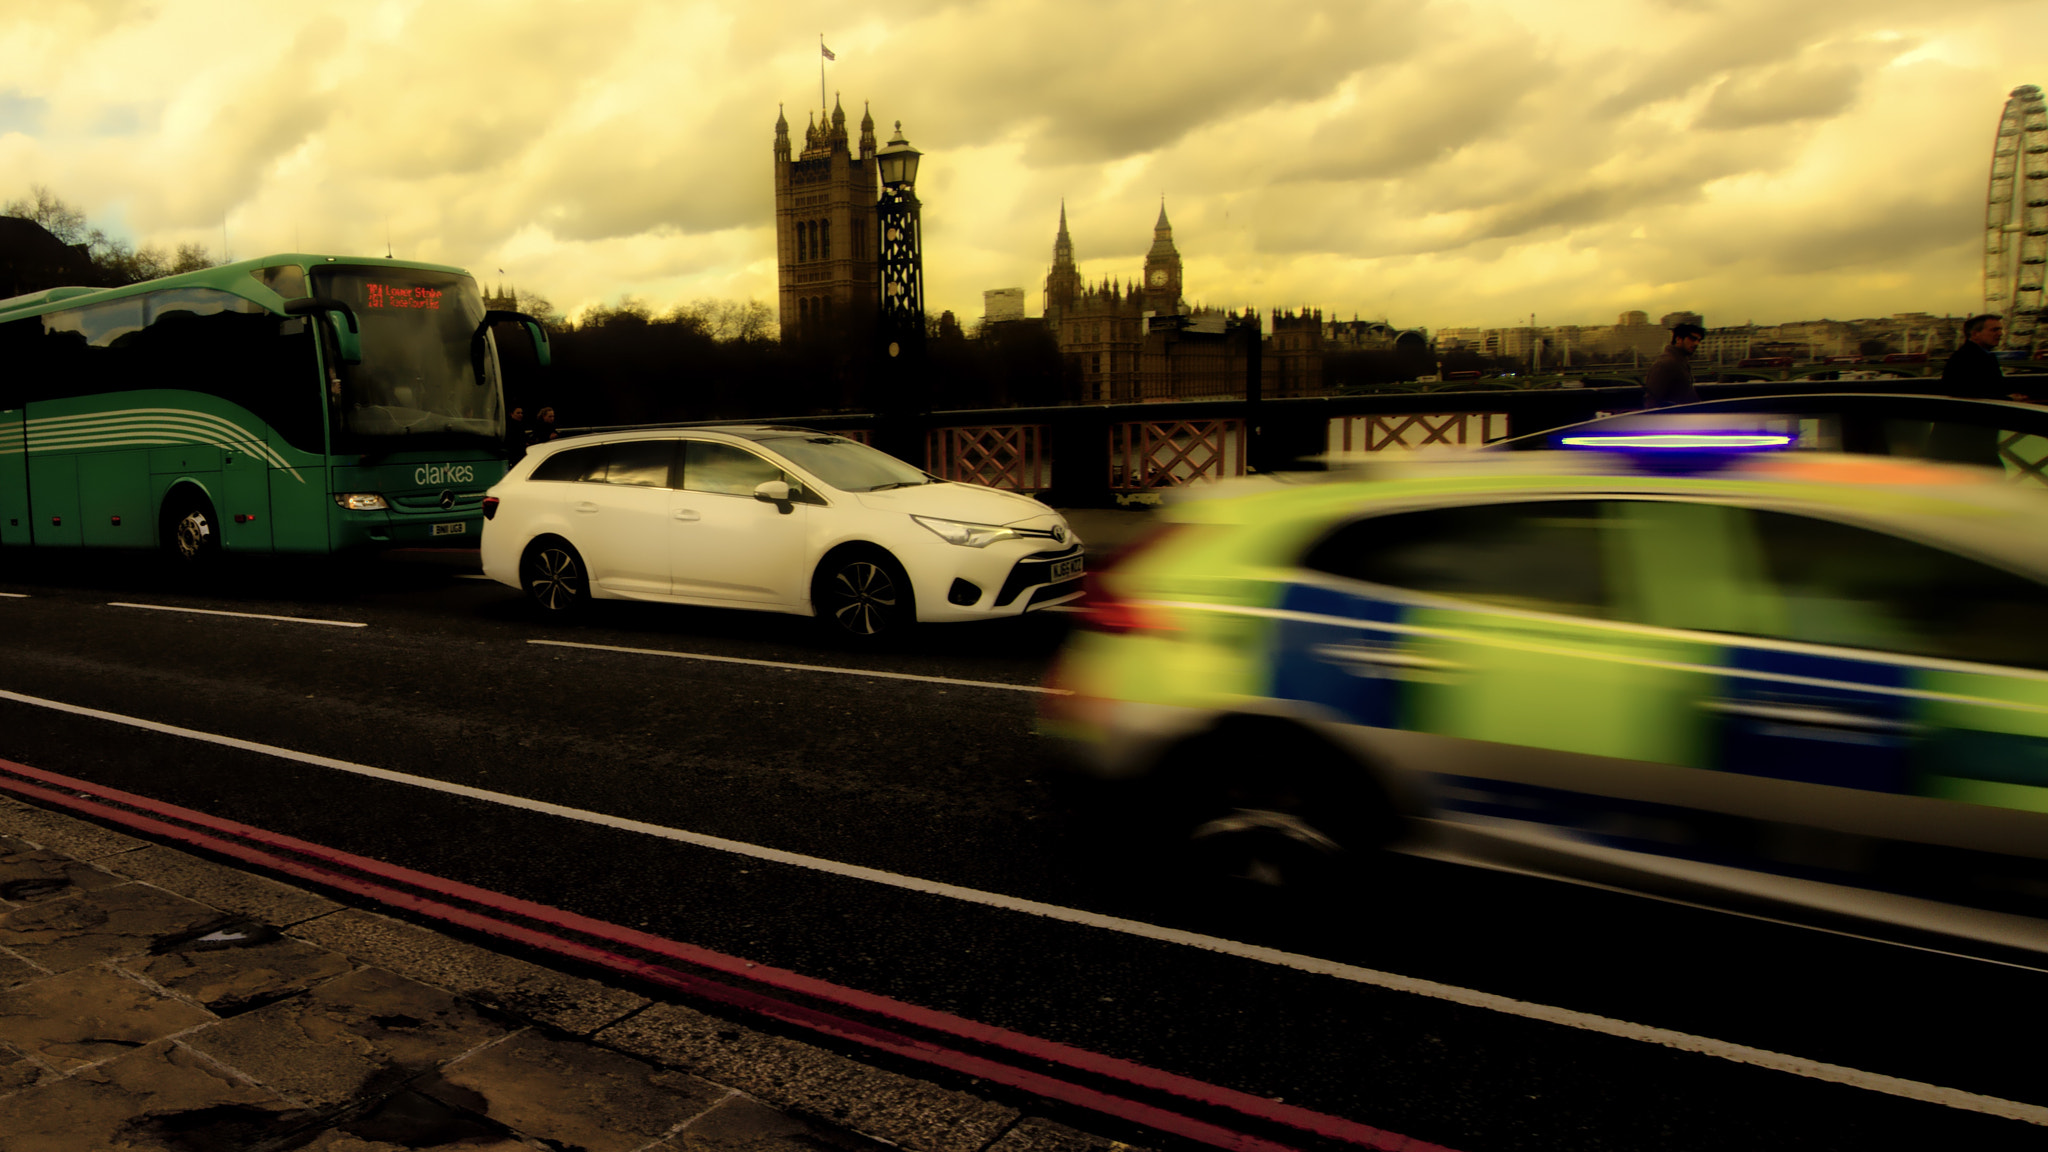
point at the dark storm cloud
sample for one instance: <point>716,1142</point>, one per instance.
<point>1881,234</point>
<point>1782,94</point>
<point>1423,116</point>
<point>1099,81</point>
<point>19,113</point>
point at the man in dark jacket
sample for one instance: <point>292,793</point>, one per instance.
<point>1972,371</point>
<point>1670,377</point>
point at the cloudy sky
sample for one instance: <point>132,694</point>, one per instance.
<point>1434,162</point>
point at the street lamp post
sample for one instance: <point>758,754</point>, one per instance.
<point>900,261</point>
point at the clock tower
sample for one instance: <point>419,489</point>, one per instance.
<point>1162,287</point>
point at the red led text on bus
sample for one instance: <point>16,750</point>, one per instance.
<point>401,296</point>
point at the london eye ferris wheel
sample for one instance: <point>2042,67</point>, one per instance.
<point>2016,219</point>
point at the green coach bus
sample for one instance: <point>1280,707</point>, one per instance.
<point>290,404</point>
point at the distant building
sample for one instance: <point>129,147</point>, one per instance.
<point>1002,305</point>
<point>31,260</point>
<point>825,221</point>
<point>1141,341</point>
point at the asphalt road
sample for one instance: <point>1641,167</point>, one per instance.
<point>946,782</point>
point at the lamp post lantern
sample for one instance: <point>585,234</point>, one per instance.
<point>901,251</point>
<point>901,399</point>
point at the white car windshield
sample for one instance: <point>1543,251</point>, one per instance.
<point>847,465</point>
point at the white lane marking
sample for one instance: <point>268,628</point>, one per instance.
<point>1569,1018</point>
<point>15,595</point>
<point>243,615</point>
<point>805,667</point>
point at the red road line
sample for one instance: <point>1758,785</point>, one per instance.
<point>1051,1052</point>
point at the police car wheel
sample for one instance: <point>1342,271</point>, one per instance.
<point>554,578</point>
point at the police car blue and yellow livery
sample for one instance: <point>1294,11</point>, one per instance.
<point>1818,679</point>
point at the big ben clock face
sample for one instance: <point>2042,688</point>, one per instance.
<point>1158,277</point>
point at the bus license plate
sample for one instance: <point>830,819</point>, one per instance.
<point>455,529</point>
<point>1066,569</point>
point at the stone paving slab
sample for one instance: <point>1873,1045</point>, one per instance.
<point>104,924</point>
<point>361,1034</point>
<point>88,1015</point>
<point>228,889</point>
<point>740,1124</point>
<point>409,1121</point>
<point>133,1018</point>
<point>250,966</point>
<point>67,834</point>
<point>14,970</point>
<point>29,874</point>
<point>570,1003</point>
<point>574,1094</point>
<point>159,1097</point>
<point>789,1074</point>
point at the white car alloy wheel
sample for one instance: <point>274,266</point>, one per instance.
<point>554,577</point>
<point>864,598</point>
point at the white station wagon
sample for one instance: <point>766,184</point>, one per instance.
<point>773,518</point>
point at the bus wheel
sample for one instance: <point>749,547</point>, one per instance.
<point>191,531</point>
<point>554,578</point>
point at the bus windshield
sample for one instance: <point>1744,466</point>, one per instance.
<point>416,380</point>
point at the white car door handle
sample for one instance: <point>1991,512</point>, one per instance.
<point>688,514</point>
<point>587,506</point>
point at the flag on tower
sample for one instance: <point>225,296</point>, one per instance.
<point>826,51</point>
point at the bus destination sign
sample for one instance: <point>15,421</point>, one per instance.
<point>401,296</point>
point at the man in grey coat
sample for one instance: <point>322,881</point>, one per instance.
<point>1669,380</point>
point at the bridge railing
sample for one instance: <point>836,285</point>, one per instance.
<point>1091,455</point>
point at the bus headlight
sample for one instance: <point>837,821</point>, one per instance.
<point>360,501</point>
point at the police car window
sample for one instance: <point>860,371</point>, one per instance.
<point>575,464</point>
<point>1848,586</point>
<point>641,463</point>
<point>1544,556</point>
<point>709,466</point>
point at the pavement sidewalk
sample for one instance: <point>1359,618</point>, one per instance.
<point>155,1000</point>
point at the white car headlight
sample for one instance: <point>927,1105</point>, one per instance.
<point>360,501</point>
<point>964,534</point>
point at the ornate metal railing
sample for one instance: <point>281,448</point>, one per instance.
<point>1011,456</point>
<point>1385,431</point>
<point>1151,454</point>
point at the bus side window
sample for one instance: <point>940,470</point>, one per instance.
<point>218,344</point>
<point>21,349</point>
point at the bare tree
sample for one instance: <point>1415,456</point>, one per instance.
<point>120,261</point>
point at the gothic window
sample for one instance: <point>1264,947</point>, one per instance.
<point>825,241</point>
<point>803,313</point>
<point>1095,364</point>
<point>803,245</point>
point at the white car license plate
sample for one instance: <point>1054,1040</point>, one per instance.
<point>1065,569</point>
<point>455,529</point>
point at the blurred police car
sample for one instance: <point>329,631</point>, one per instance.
<point>1671,660</point>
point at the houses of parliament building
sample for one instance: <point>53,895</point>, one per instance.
<point>1118,342</point>
<point>1142,341</point>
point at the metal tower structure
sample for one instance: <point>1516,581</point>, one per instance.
<point>2016,219</point>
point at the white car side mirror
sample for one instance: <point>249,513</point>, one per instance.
<point>774,491</point>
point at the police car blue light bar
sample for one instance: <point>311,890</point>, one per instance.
<point>1692,441</point>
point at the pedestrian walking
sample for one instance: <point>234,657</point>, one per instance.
<point>1669,380</point>
<point>515,433</point>
<point>1972,371</point>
